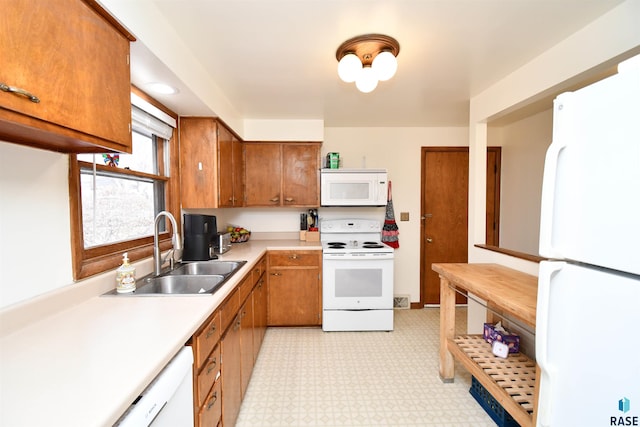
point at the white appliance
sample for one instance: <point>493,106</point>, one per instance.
<point>357,276</point>
<point>588,311</point>
<point>353,187</point>
<point>168,400</point>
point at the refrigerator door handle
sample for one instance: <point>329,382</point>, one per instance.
<point>549,178</point>
<point>547,270</point>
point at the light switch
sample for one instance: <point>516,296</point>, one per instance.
<point>404,216</point>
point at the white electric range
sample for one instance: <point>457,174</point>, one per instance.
<point>357,276</point>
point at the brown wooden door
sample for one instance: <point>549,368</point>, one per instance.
<point>445,210</point>
<point>493,196</point>
<point>444,207</point>
<point>263,174</point>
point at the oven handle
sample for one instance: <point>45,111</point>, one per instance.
<point>359,257</point>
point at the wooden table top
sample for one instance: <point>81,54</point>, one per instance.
<point>513,291</point>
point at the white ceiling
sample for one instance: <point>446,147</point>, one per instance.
<point>275,59</point>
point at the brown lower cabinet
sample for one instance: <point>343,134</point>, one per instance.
<point>225,348</point>
<point>295,291</point>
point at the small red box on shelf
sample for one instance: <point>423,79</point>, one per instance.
<point>491,334</point>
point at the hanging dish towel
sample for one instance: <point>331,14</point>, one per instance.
<point>390,229</point>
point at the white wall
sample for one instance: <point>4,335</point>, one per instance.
<point>35,246</point>
<point>524,144</point>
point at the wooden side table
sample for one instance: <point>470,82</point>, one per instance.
<point>513,295</point>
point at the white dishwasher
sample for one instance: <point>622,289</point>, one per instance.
<point>168,400</point>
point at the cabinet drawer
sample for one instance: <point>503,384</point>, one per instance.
<point>211,411</point>
<point>259,269</point>
<point>294,259</point>
<point>210,372</point>
<point>245,287</point>
<point>206,339</point>
<point>229,309</point>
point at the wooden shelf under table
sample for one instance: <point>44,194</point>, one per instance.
<point>510,381</point>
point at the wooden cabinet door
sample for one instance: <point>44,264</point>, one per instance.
<point>198,163</point>
<point>294,297</point>
<point>238,172</point>
<point>225,167</point>
<point>231,373</point>
<point>259,315</point>
<point>77,64</point>
<point>301,174</point>
<point>246,342</point>
<point>263,174</point>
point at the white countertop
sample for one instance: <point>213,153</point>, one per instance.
<point>84,365</point>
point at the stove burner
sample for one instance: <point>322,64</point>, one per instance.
<point>336,245</point>
<point>369,245</point>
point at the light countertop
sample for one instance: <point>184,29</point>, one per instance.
<point>84,365</point>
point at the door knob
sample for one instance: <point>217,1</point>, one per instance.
<point>429,240</point>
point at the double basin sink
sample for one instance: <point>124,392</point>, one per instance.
<point>193,278</point>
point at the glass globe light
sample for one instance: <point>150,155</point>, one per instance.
<point>384,65</point>
<point>367,80</point>
<point>349,68</point>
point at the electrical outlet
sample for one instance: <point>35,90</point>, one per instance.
<point>404,216</point>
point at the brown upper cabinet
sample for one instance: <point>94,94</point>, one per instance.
<point>211,164</point>
<point>65,77</point>
<point>282,174</point>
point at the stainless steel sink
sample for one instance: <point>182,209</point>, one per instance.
<point>206,267</point>
<point>173,285</point>
<point>193,278</point>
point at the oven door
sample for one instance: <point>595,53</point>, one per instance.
<point>357,281</point>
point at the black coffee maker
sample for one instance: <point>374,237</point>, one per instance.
<point>199,234</point>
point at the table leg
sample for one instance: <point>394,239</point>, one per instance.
<point>447,329</point>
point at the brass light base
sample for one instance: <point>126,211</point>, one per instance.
<point>368,46</point>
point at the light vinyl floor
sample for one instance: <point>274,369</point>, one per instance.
<point>307,377</point>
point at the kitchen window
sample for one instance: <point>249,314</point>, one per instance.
<point>115,197</point>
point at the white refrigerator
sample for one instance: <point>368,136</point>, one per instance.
<point>588,312</point>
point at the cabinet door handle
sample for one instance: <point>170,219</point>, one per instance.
<point>276,274</point>
<point>294,256</point>
<point>212,365</point>
<point>288,199</point>
<point>211,331</point>
<point>18,91</point>
<point>275,199</point>
<point>213,400</point>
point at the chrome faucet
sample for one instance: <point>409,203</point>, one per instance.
<point>175,241</point>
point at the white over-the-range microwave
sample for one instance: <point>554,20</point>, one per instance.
<point>353,187</point>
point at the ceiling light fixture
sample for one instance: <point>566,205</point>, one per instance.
<point>161,88</point>
<point>367,59</point>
